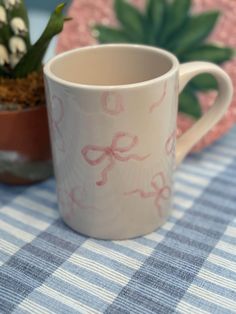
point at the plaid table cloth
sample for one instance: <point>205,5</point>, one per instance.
<point>187,266</point>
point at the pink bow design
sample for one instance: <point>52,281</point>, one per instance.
<point>160,101</point>
<point>177,85</point>
<point>170,144</point>
<point>118,103</point>
<point>73,199</point>
<point>111,153</point>
<point>56,121</point>
<point>160,192</point>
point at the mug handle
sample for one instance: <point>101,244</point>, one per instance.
<point>210,118</point>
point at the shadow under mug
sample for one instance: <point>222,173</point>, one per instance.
<point>112,112</point>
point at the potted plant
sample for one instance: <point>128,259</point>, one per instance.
<point>25,155</point>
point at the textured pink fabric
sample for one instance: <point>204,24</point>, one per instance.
<point>85,13</point>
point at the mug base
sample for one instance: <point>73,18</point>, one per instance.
<point>114,236</point>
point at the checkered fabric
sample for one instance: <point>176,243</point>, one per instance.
<point>187,266</point>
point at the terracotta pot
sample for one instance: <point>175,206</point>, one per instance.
<point>25,154</point>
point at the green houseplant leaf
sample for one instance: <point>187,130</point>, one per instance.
<point>177,15</point>
<point>155,13</point>
<point>130,18</point>
<point>32,60</point>
<point>188,104</point>
<point>204,82</point>
<point>209,52</point>
<point>107,34</point>
<point>195,31</point>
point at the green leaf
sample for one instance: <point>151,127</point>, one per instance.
<point>110,35</point>
<point>195,31</point>
<point>155,12</point>
<point>59,8</point>
<point>177,15</point>
<point>32,60</point>
<point>131,19</point>
<point>209,52</point>
<point>204,82</point>
<point>188,104</point>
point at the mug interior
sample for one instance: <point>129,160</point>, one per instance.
<point>114,65</point>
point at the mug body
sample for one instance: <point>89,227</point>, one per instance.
<point>112,112</point>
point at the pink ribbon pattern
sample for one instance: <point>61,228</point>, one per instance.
<point>112,153</point>
<point>70,199</point>
<point>157,103</point>
<point>117,107</point>
<point>177,92</point>
<point>160,191</point>
<point>177,85</point>
<point>56,120</point>
<point>170,144</point>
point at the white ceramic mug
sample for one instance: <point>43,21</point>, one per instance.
<point>112,112</point>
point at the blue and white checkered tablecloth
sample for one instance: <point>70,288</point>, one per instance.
<point>187,266</point>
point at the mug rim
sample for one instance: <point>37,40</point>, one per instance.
<point>49,73</point>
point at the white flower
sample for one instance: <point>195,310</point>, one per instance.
<point>14,59</point>
<point>4,57</point>
<point>17,45</point>
<point>3,15</point>
<point>9,4</point>
<point>18,26</point>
